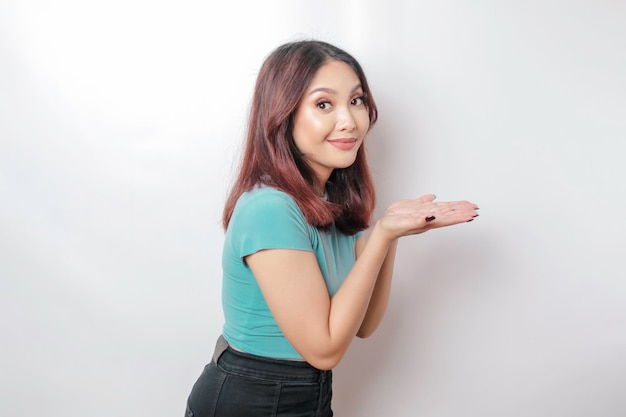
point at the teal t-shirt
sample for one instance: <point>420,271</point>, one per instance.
<point>266,218</point>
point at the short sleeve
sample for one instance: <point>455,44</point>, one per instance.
<point>268,219</point>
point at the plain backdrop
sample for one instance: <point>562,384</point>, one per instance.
<point>120,126</point>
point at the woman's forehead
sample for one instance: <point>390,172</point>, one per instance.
<point>334,77</point>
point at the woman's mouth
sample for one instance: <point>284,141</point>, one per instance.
<point>344,143</point>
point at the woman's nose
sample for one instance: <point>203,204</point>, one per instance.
<point>345,120</point>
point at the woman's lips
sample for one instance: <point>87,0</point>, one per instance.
<point>344,144</point>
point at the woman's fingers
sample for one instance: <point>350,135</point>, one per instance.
<point>427,214</point>
<point>449,213</point>
<point>407,217</point>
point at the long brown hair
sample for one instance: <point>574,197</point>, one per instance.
<point>271,157</point>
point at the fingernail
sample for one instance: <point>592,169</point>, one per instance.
<point>470,220</point>
<point>430,218</point>
<point>475,215</point>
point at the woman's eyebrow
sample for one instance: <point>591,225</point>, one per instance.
<point>331,91</point>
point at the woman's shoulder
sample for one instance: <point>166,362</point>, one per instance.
<point>266,201</point>
<point>267,211</point>
<point>264,194</point>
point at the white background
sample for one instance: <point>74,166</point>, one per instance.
<point>120,123</point>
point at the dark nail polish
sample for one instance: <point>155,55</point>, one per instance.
<point>430,218</point>
<point>470,220</point>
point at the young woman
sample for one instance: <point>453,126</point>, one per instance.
<point>300,281</point>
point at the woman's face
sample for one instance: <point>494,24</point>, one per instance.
<point>331,120</point>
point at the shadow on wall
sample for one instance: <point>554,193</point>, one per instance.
<point>397,362</point>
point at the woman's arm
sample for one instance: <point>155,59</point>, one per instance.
<point>321,328</point>
<point>380,296</point>
<point>318,327</point>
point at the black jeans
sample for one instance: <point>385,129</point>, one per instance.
<point>245,385</point>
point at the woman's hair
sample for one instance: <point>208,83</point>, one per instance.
<point>271,157</point>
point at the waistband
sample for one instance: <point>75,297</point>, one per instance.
<point>262,367</point>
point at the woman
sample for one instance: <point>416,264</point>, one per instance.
<point>300,280</point>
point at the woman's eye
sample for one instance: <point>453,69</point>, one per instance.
<point>357,101</point>
<point>323,105</point>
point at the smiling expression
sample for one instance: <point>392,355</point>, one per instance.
<point>331,120</point>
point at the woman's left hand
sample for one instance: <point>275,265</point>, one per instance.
<point>409,217</point>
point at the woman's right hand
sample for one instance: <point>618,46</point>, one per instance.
<point>411,217</point>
